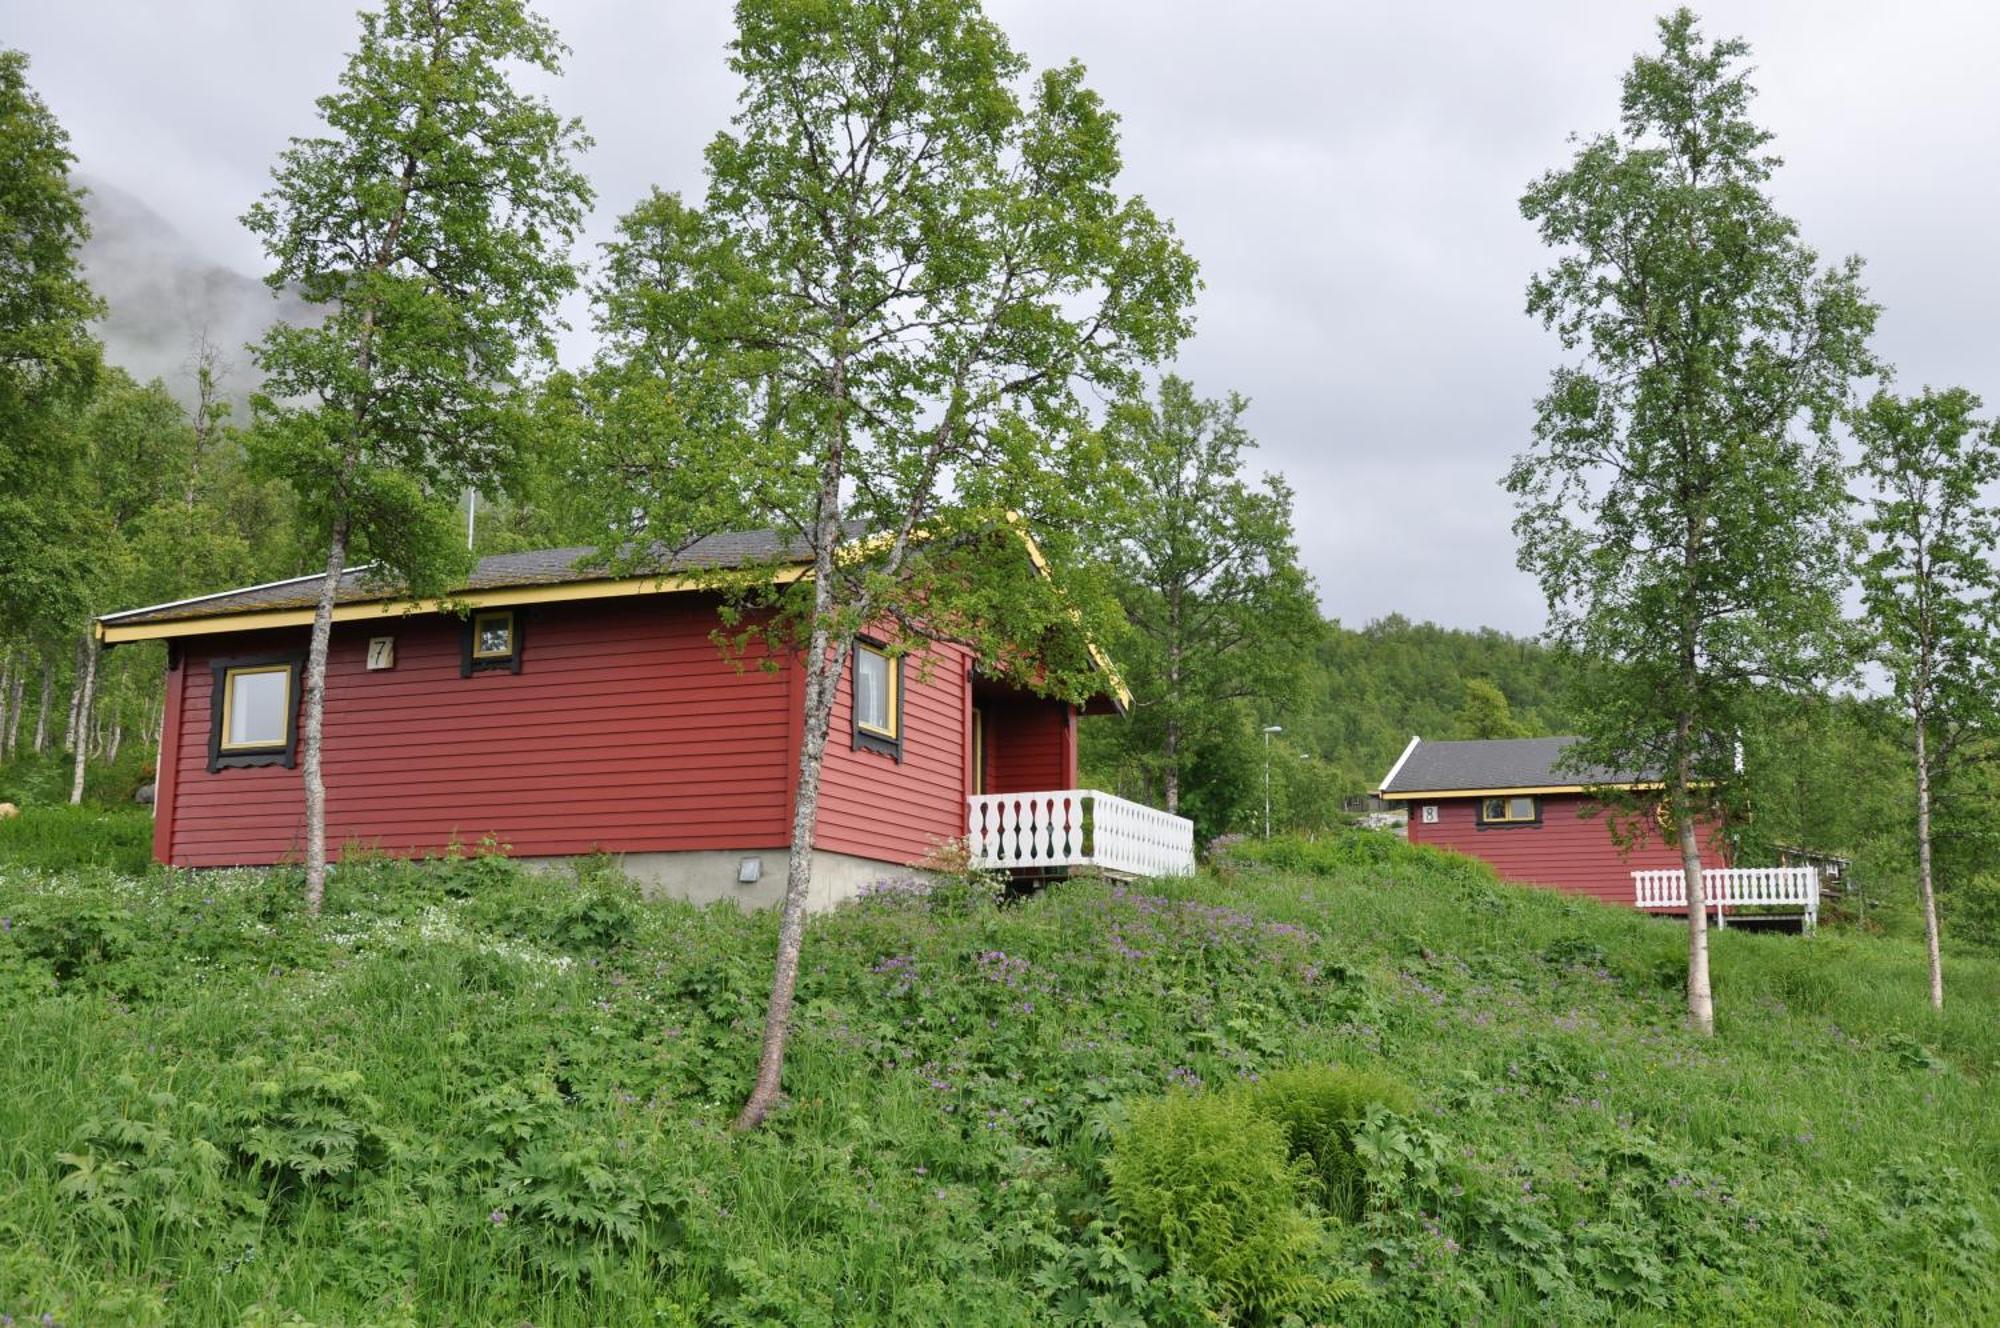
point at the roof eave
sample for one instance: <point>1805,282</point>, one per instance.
<point>1520,791</point>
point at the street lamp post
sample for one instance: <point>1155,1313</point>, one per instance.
<point>1269,729</point>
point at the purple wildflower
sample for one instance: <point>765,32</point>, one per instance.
<point>498,1217</point>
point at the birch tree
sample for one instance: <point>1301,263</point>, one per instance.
<point>49,364</point>
<point>874,336</point>
<point>1208,575</point>
<point>1929,584</point>
<point>1683,504</point>
<point>429,227</point>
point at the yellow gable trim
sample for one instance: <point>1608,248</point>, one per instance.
<point>1417,794</point>
<point>112,633</point>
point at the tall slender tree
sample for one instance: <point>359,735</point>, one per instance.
<point>49,362</point>
<point>1208,575</point>
<point>1683,503</point>
<point>430,227</point>
<point>873,337</point>
<point>1932,590</point>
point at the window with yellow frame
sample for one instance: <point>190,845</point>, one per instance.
<point>492,641</point>
<point>878,699</point>
<point>253,712</point>
<point>1515,810</point>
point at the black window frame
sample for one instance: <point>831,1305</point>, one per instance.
<point>470,662</point>
<point>1479,812</point>
<point>284,754</point>
<point>867,739</point>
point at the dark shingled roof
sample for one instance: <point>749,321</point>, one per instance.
<point>539,567</point>
<point>1496,763</point>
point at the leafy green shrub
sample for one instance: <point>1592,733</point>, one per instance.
<point>305,1130</point>
<point>74,934</point>
<point>1318,1108</point>
<point>1206,1179</point>
<point>1972,910</point>
<point>128,1173</point>
<point>566,1204</point>
<point>599,916</point>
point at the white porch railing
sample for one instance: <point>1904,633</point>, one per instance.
<point>1725,888</point>
<point>1078,828</point>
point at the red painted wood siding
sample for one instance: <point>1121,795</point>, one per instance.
<point>1568,850</point>
<point>874,806</point>
<point>166,777</point>
<point>626,730</point>
<point>1030,747</point>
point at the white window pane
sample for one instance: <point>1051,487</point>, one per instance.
<point>257,706</point>
<point>1521,809</point>
<point>871,689</point>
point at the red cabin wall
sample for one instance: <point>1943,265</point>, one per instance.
<point>1569,850</point>
<point>1030,746</point>
<point>873,805</point>
<point>626,730</point>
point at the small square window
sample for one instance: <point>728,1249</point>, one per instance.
<point>256,708</point>
<point>492,641</point>
<point>492,635</point>
<point>253,712</point>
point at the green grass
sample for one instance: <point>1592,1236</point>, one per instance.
<point>469,1095</point>
<point>63,837</point>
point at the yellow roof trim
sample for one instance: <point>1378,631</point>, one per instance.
<point>1116,683</point>
<point>1414,794</point>
<point>112,634</point>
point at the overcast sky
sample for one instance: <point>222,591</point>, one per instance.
<point>1346,175</point>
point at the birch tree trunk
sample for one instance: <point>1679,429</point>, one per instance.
<point>48,699</point>
<point>1700,1000</point>
<point>70,736</point>
<point>824,663</point>
<point>17,702</point>
<point>1172,731</point>
<point>1925,891</point>
<point>8,672</point>
<point>315,699</point>
<point>822,683</point>
<point>86,690</point>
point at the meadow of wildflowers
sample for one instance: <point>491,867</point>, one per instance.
<point>470,1094</point>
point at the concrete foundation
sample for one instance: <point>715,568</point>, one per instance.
<point>707,875</point>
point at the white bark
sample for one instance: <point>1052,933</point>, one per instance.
<point>70,736</point>
<point>8,673</point>
<point>1700,999</point>
<point>86,690</point>
<point>1925,889</point>
<point>48,698</point>
<point>314,686</point>
<point>17,704</point>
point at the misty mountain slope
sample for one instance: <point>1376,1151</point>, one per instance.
<point>162,294</point>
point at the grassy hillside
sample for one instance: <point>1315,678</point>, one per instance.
<point>467,1095</point>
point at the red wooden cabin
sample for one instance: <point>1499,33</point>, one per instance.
<point>556,710</point>
<point>1514,803</point>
